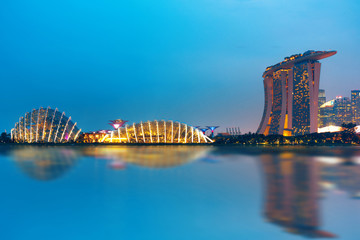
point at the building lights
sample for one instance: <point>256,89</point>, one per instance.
<point>117,123</point>
<point>330,129</point>
<point>291,95</point>
<point>45,126</point>
<point>152,132</point>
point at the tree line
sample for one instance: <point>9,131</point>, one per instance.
<point>347,136</point>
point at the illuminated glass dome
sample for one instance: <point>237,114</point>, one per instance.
<point>45,125</point>
<point>157,132</point>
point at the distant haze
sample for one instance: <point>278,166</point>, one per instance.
<point>198,62</point>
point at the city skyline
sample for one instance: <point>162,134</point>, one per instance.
<point>200,65</point>
<point>338,111</point>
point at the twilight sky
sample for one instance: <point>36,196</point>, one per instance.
<point>198,62</point>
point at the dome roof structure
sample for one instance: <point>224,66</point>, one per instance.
<point>45,125</point>
<point>157,132</point>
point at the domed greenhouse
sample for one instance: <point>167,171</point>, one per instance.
<point>156,132</point>
<point>45,125</point>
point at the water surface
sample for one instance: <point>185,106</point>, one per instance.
<point>179,192</point>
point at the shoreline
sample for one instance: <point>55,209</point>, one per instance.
<point>175,144</point>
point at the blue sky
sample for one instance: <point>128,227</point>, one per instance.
<point>198,62</point>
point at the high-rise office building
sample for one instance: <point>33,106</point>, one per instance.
<point>355,106</point>
<point>322,97</point>
<point>342,110</point>
<point>321,101</point>
<point>326,114</point>
<point>291,95</point>
<point>335,112</point>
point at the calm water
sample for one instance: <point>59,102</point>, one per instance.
<point>179,192</point>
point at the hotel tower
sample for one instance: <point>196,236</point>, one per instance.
<point>291,95</point>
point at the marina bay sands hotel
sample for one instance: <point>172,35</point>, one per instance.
<point>291,95</point>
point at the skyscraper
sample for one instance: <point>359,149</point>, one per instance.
<point>322,97</point>
<point>355,106</point>
<point>321,101</point>
<point>291,95</point>
<point>327,115</point>
<point>335,112</point>
<point>342,110</point>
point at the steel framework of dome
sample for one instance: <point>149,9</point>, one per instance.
<point>157,132</point>
<point>45,125</point>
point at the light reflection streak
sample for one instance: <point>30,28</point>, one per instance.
<point>149,156</point>
<point>49,163</point>
<point>44,163</point>
<point>293,183</point>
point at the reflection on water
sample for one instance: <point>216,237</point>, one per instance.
<point>47,163</point>
<point>292,193</point>
<point>340,175</point>
<point>147,156</point>
<point>294,181</point>
<point>44,163</point>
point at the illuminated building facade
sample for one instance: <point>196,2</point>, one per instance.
<point>51,126</point>
<point>291,95</point>
<point>45,125</point>
<point>330,129</point>
<point>327,116</point>
<point>322,97</point>
<point>335,112</point>
<point>355,106</point>
<point>342,110</point>
<point>321,101</point>
<point>93,137</point>
<point>165,132</point>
